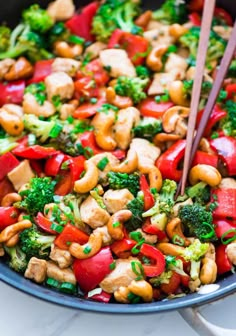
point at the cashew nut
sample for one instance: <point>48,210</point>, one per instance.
<point>64,49</point>
<point>205,146</point>
<point>13,229</point>
<point>211,252</point>
<point>177,95</point>
<point>10,199</point>
<point>119,101</point>
<point>208,271</point>
<point>172,116</point>
<point>115,224</point>
<point>174,228</point>
<point>205,173</point>
<point>129,165</point>
<point>176,30</point>
<point>121,294</point>
<point>89,180</point>
<point>142,288</point>
<point>170,249</point>
<point>154,176</point>
<point>89,249</point>
<point>11,119</point>
<point>31,106</point>
<point>231,252</point>
<point>144,19</point>
<point>21,69</point>
<point>13,241</point>
<point>154,61</point>
<point>103,123</point>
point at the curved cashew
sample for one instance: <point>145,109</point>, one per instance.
<point>31,106</point>
<point>205,146</point>
<point>115,224</point>
<point>11,119</point>
<point>205,173</point>
<point>129,165</point>
<point>144,19</point>
<point>211,252</point>
<point>208,271</point>
<point>154,61</point>
<point>13,241</point>
<point>89,249</point>
<point>64,49</point>
<point>176,30</point>
<point>119,101</point>
<point>172,116</point>
<point>176,93</point>
<point>13,229</point>
<point>20,69</point>
<point>174,228</point>
<point>121,294</point>
<point>170,249</point>
<point>164,137</point>
<point>103,123</point>
<point>142,288</point>
<point>89,180</point>
<point>154,176</point>
<point>231,252</point>
<point>10,199</point>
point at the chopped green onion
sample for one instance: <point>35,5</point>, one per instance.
<point>116,224</point>
<point>52,283</point>
<point>56,227</point>
<point>229,240</point>
<point>76,39</point>
<point>87,249</point>
<point>136,248</point>
<point>137,268</point>
<point>211,232</point>
<point>31,139</point>
<point>112,266</point>
<point>26,217</point>
<point>172,48</point>
<point>177,240</point>
<point>133,298</point>
<point>136,235</point>
<point>56,100</point>
<point>88,152</point>
<point>56,130</point>
<point>103,163</point>
<point>70,120</point>
<point>67,287</point>
<point>93,100</point>
<point>157,99</point>
<point>56,199</point>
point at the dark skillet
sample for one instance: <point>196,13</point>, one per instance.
<point>10,13</point>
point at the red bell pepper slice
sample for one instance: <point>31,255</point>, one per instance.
<point>87,139</point>
<point>70,234</point>
<point>195,19</point>
<point>84,87</point>
<point>53,164</point>
<point>37,167</point>
<point>42,69</point>
<point>119,247</point>
<point>120,154</point>
<point>150,108</point>
<point>44,223</point>
<point>205,158</point>
<point>76,165</point>
<point>8,216</point>
<point>226,201</point>
<point>222,261</point>
<point>150,228</point>
<point>6,187</point>
<point>173,285</point>
<point>196,5</point>
<point>222,226</point>
<point>34,152</point>
<point>87,110</point>
<point>148,196</point>
<point>102,297</point>
<point>156,255</point>
<point>91,271</point>
<point>216,115</point>
<point>12,92</point>
<point>97,72</point>
<point>169,161</point>
<point>65,184</point>
<point>7,162</point>
<point>231,91</point>
<point>81,24</point>
<point>224,16</point>
<point>225,146</point>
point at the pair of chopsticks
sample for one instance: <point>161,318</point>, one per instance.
<point>192,140</point>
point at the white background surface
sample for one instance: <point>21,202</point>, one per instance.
<point>22,315</point>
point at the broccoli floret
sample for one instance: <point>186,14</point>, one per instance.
<point>37,18</point>
<point>167,194</point>
<point>5,34</point>
<point>228,124</point>
<point>147,128</point>
<point>39,193</point>
<point>232,69</point>
<point>58,32</point>
<point>41,129</point>
<point>7,144</point>
<point>73,202</point>
<point>142,71</point>
<point>216,45</point>
<point>194,251</point>
<point>171,11</point>
<point>136,206</point>
<point>200,193</point>
<point>198,222</point>
<point>18,260</point>
<point>98,198</point>
<point>66,143</point>
<point>132,87</point>
<point>123,180</point>
<point>113,14</point>
<point>34,244</point>
<point>38,90</point>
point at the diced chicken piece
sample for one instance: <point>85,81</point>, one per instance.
<point>224,32</point>
<point>177,65</point>
<point>126,120</point>
<point>36,270</point>
<point>149,238</point>
<point>158,36</point>
<point>62,258</point>
<point>92,214</point>
<point>146,151</point>
<point>154,24</point>
<point>66,110</point>
<point>119,62</point>
<point>21,175</point>
<point>112,161</point>
<point>59,84</point>
<point>31,106</point>
<point>116,200</point>
<point>94,49</point>
<point>61,10</point>
<point>5,66</point>
<point>191,73</point>
<point>160,83</point>
<point>106,238</point>
<point>227,182</point>
<point>231,252</point>
<point>122,275</point>
<point>67,65</point>
<point>61,275</point>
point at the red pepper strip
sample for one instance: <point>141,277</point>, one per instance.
<point>115,38</point>
<point>185,280</point>
<point>153,253</point>
<point>148,197</point>
<point>6,187</point>
<point>87,110</point>
<point>226,148</point>
<point>70,234</point>
<point>44,223</point>
<point>226,200</point>
<point>91,271</point>
<point>84,87</point>
<point>95,70</point>
<point>7,162</point>
<point>81,24</point>
<point>12,92</point>
<point>65,184</point>
<point>120,154</point>
<point>222,261</point>
<point>76,165</point>
<point>173,285</point>
<point>53,164</point>
<point>37,167</point>
<point>169,161</point>
<point>224,16</point>
<point>149,108</point>
<point>216,115</point>
<point>34,152</point>
<point>42,69</point>
<point>222,226</point>
<point>8,216</point>
<point>87,139</point>
<point>123,245</point>
<point>196,5</point>
<point>102,297</point>
<point>153,229</point>
<point>205,158</point>
<point>195,19</point>
<point>231,91</point>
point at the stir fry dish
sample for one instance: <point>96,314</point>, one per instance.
<point>94,108</point>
